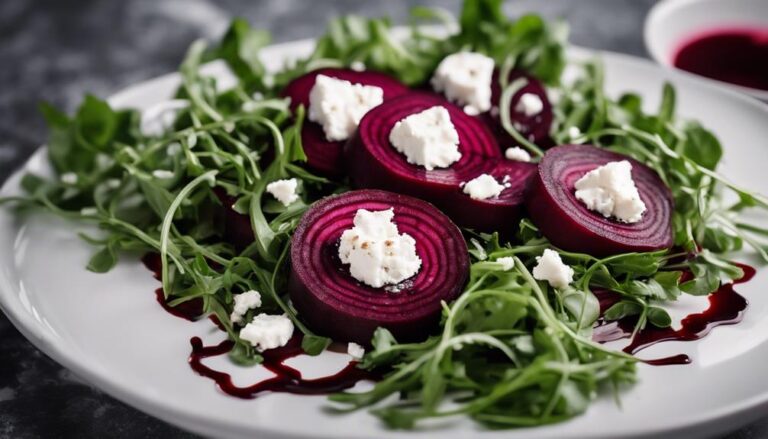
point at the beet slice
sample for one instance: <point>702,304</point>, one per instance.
<point>335,304</point>
<point>500,214</point>
<point>323,156</point>
<point>535,128</point>
<point>236,227</point>
<point>375,163</point>
<point>570,225</point>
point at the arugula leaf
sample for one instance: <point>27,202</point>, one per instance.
<point>314,345</point>
<point>95,124</point>
<point>240,49</point>
<point>623,308</point>
<point>701,145</point>
<point>659,317</point>
<point>103,260</point>
<point>74,143</point>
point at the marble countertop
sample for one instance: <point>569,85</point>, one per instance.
<point>57,50</point>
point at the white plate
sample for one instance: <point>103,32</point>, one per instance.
<point>108,329</point>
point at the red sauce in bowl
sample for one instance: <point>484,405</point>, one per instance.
<point>735,55</point>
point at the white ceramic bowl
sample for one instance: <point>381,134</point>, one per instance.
<point>671,22</point>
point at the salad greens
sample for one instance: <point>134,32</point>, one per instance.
<point>511,351</point>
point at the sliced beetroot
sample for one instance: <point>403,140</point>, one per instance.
<point>236,227</point>
<point>374,163</point>
<point>570,225</point>
<point>535,128</point>
<point>324,156</point>
<point>335,304</point>
<point>499,214</point>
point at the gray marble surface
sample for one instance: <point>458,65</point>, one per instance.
<point>57,50</point>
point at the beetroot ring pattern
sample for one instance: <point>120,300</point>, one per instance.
<point>476,143</point>
<point>324,156</point>
<point>570,225</point>
<point>374,163</point>
<point>335,304</point>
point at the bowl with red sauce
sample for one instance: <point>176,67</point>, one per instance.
<point>721,40</point>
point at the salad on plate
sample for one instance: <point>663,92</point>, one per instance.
<point>460,209</point>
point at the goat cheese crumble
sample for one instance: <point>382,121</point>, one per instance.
<point>338,105</point>
<point>427,138</point>
<point>377,253</point>
<point>507,262</point>
<point>69,178</point>
<point>550,268</point>
<point>517,154</point>
<point>162,174</point>
<point>484,187</point>
<point>267,331</point>
<point>284,191</point>
<point>465,78</point>
<point>355,351</point>
<point>611,191</point>
<point>530,104</point>
<point>243,302</point>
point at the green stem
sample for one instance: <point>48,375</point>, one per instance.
<point>165,229</point>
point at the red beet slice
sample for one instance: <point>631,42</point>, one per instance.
<point>375,163</point>
<point>335,304</point>
<point>567,222</point>
<point>534,128</point>
<point>500,214</point>
<point>323,156</point>
<point>236,227</point>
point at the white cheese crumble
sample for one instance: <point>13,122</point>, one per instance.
<point>574,132</point>
<point>610,190</point>
<point>484,187</point>
<point>465,78</point>
<point>357,66</point>
<point>355,351</point>
<point>427,139</point>
<point>267,331</point>
<point>338,105</point>
<point>158,119</point>
<point>162,174</point>
<point>518,154</point>
<point>550,267</point>
<point>507,262</point>
<point>554,95</point>
<point>284,191</point>
<point>243,302</point>
<point>174,149</point>
<point>69,178</point>
<point>376,252</point>
<point>529,104</point>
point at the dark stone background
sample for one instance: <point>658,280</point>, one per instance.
<point>57,50</point>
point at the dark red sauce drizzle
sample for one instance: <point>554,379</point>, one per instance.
<point>738,56</point>
<point>286,379</point>
<point>190,310</point>
<point>726,307</point>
